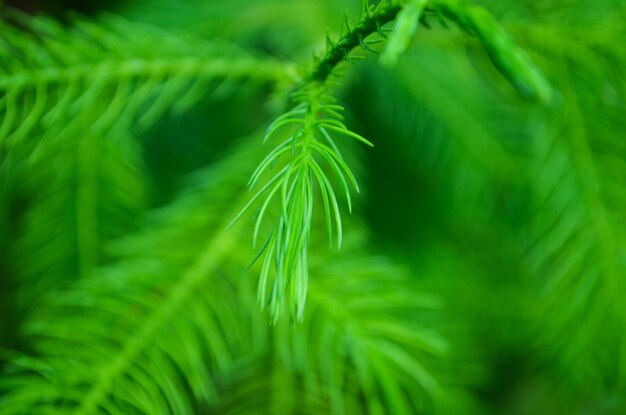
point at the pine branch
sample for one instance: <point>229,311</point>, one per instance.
<point>506,55</point>
<point>109,72</point>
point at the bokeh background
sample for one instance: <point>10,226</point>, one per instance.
<point>510,214</point>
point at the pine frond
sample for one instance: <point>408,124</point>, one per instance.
<point>312,152</point>
<point>512,61</point>
<point>96,74</point>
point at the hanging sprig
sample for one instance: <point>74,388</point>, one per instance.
<point>307,156</point>
<point>311,162</point>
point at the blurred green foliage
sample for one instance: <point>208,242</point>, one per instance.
<point>482,269</point>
